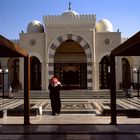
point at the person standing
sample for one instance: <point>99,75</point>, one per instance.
<point>55,87</point>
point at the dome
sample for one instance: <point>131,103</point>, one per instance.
<point>35,26</point>
<point>104,25</point>
<point>70,13</point>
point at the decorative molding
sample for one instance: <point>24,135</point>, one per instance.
<point>84,44</point>
<point>61,21</point>
<point>107,41</point>
<point>32,42</point>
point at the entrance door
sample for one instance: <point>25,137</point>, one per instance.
<point>72,75</point>
<point>35,69</point>
<point>104,76</point>
<point>126,74</point>
<point>70,65</point>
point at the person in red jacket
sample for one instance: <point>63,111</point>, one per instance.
<point>55,87</point>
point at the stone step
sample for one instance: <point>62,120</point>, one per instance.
<point>87,94</point>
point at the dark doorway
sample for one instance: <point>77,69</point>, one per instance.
<point>126,74</point>
<point>35,74</point>
<point>14,74</point>
<point>70,65</point>
<point>104,73</point>
<point>72,75</point>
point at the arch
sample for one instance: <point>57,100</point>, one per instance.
<point>126,73</point>
<point>82,42</point>
<point>102,55</point>
<point>35,73</point>
<point>37,55</point>
<point>104,74</point>
<point>70,65</point>
<point>13,66</point>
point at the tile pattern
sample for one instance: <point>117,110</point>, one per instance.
<point>74,106</point>
<point>128,106</point>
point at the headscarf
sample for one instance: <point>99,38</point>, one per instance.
<point>54,82</point>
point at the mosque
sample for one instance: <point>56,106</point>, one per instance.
<point>75,48</point>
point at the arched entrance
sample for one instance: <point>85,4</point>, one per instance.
<point>126,74</point>
<point>87,63</point>
<point>35,73</point>
<point>70,65</point>
<point>13,66</point>
<point>104,74</point>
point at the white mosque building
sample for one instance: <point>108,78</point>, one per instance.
<point>75,48</point>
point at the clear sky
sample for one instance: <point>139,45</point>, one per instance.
<point>16,14</point>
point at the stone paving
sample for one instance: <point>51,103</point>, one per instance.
<point>80,119</point>
<point>96,107</point>
<point>70,132</point>
<point>75,105</point>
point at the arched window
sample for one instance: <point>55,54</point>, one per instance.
<point>15,67</point>
<point>104,73</point>
<point>35,73</point>
<point>126,73</point>
<point>14,73</point>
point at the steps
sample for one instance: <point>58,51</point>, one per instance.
<point>74,94</point>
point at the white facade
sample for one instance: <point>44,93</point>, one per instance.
<point>77,44</point>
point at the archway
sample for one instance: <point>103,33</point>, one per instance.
<point>126,74</point>
<point>13,66</point>
<point>70,65</point>
<point>104,73</point>
<point>83,44</point>
<point>35,73</point>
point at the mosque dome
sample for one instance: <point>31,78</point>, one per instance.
<point>104,25</point>
<point>35,26</point>
<point>70,13</point>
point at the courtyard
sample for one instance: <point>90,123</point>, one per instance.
<point>78,107</point>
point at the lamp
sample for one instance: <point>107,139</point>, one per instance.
<point>137,71</point>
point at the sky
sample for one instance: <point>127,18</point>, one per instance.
<point>15,15</point>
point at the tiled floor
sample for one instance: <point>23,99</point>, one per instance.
<point>70,132</point>
<point>80,120</point>
<point>70,119</point>
<point>77,106</point>
<point>71,137</point>
<point>74,111</point>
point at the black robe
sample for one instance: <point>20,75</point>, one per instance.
<point>55,98</point>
